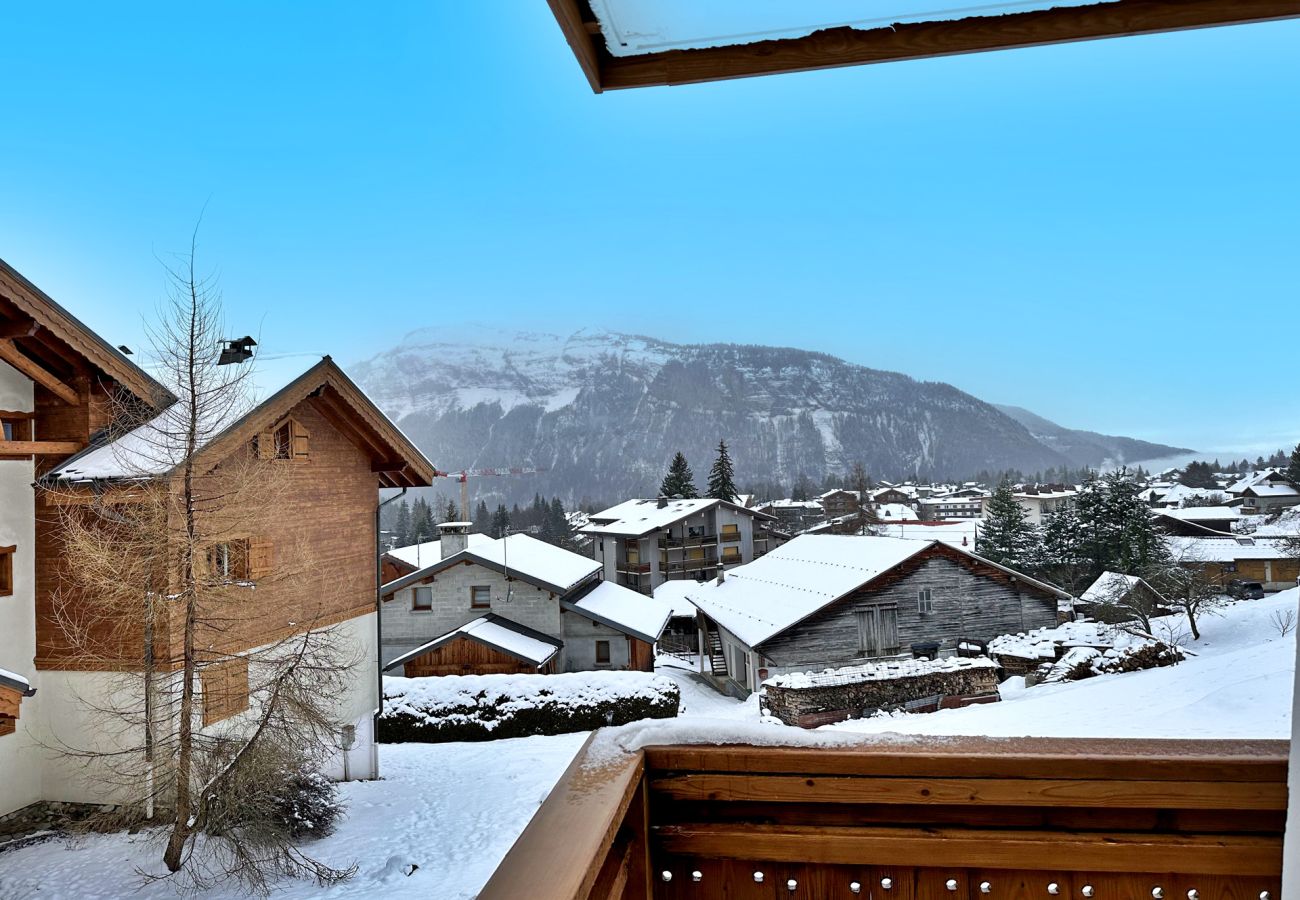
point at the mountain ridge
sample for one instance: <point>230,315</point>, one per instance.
<point>604,411</point>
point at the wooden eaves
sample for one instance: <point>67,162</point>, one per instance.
<point>845,46</point>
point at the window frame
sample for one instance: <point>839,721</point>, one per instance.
<point>473,596</point>
<point>415,598</point>
<point>925,601</point>
<point>7,555</point>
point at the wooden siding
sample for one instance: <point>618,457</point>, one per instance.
<point>323,530</point>
<point>967,604</point>
<point>464,656</point>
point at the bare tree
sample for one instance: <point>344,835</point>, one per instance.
<point>1133,606</point>
<point>1190,586</point>
<point>207,705</point>
<point>1284,621</point>
<point>865,521</point>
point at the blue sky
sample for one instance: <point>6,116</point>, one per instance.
<point>1105,233</point>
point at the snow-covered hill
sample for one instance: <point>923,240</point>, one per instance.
<point>604,412</point>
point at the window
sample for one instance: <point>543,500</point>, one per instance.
<point>228,561</point>
<point>225,689</point>
<point>924,601</point>
<point>633,553</point>
<point>602,653</point>
<point>7,570</point>
<point>695,553</point>
<point>878,630</point>
<point>422,598</point>
<point>731,554</point>
<point>287,441</point>
<point>480,596</point>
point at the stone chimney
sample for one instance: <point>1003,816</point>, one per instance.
<point>663,501</point>
<point>453,537</point>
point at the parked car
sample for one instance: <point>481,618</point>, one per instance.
<point>1245,590</point>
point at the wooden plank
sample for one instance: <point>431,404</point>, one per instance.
<point>847,46</point>
<point>11,354</point>
<point>39,448</point>
<point>582,40</point>
<point>1053,758</point>
<point>563,849</point>
<point>1100,852</point>
<point>976,791</point>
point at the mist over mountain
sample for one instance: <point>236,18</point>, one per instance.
<point>604,412</point>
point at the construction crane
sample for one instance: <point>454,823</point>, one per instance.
<point>464,475</point>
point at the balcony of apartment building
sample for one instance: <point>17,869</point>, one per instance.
<point>692,536</point>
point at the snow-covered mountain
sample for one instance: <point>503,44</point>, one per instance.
<point>604,412</point>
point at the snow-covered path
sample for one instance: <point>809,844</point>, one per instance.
<point>452,809</point>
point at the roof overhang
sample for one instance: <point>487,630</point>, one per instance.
<point>850,45</point>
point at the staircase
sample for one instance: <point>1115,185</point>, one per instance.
<point>717,659</point>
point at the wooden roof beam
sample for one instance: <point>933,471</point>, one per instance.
<point>920,40</point>
<point>12,355</point>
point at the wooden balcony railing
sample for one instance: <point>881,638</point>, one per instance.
<point>910,819</point>
<point>702,540</point>
<point>639,568</point>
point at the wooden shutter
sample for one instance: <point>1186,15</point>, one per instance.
<point>266,445</point>
<point>261,558</point>
<point>888,629</point>
<point>299,440</point>
<point>225,689</point>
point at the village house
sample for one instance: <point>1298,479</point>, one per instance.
<point>1198,521</point>
<point>1238,558</point>
<point>514,604</point>
<point>1039,502</point>
<point>1264,492</point>
<point>640,544</point>
<point>839,503</point>
<point>962,505</point>
<point>1116,588</point>
<point>794,516</point>
<point>59,386</point>
<point>825,601</point>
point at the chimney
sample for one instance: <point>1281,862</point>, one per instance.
<point>663,501</point>
<point>722,575</point>
<point>453,537</point>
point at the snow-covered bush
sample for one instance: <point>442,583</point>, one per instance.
<point>488,707</point>
<point>307,804</point>
<point>285,799</point>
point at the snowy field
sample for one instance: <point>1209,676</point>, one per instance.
<point>454,809</point>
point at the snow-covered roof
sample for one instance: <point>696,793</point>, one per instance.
<point>1202,513</point>
<point>761,599</point>
<point>1224,549</point>
<point>16,682</point>
<point>1285,525</point>
<point>1272,490</point>
<point>1110,586</point>
<point>956,534</point>
<point>886,670</point>
<point>158,446</point>
<point>633,518</point>
<point>537,562</point>
<point>632,613</point>
<point>431,551</point>
<point>676,593</point>
<point>496,632</point>
<point>1254,478</point>
<point>896,512</point>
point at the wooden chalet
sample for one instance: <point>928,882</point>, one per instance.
<point>630,44</point>
<point>824,601</point>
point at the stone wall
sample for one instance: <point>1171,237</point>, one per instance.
<point>809,700</point>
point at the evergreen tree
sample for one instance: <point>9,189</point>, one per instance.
<point>1293,467</point>
<point>482,518</point>
<point>452,512</point>
<point>680,480</point>
<point>1198,475</point>
<point>1117,533</point>
<point>422,527</point>
<point>1007,537</point>
<point>722,476</point>
<point>402,527</point>
<point>1061,555</point>
<point>500,522</point>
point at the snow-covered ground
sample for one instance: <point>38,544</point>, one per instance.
<point>452,809</point>
<point>455,809</point>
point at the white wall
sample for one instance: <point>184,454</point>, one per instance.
<point>406,628</point>
<point>20,757</point>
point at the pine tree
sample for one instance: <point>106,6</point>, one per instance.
<point>402,527</point>
<point>1198,475</point>
<point>482,518</point>
<point>1293,467</point>
<point>1061,556</point>
<point>680,480</point>
<point>500,522</point>
<point>1007,537</point>
<point>1117,532</point>
<point>452,512</point>
<point>722,476</point>
<point>422,527</point>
